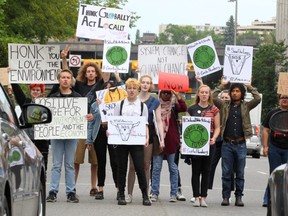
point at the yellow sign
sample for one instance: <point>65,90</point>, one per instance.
<point>97,61</point>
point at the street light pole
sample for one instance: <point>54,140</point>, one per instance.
<point>235,26</point>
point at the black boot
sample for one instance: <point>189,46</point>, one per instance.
<point>121,200</point>
<point>146,200</point>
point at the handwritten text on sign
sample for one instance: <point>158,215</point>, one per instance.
<point>102,23</point>
<point>179,83</point>
<point>165,58</point>
<point>68,119</point>
<point>195,135</point>
<point>33,63</point>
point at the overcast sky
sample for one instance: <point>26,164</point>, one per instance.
<point>197,12</point>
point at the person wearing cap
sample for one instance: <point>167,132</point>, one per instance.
<point>235,129</point>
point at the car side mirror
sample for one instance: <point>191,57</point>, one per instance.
<point>36,114</point>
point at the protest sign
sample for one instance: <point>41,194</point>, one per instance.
<point>283,83</point>
<point>238,64</point>
<point>33,63</point>
<point>68,119</point>
<point>75,60</point>
<point>116,56</point>
<point>195,135</point>
<point>101,23</point>
<point>108,99</point>
<point>127,130</point>
<point>4,76</point>
<point>204,57</point>
<point>165,58</point>
<point>178,83</point>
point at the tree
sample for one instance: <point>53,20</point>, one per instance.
<point>137,37</point>
<point>269,60</point>
<point>229,32</point>
<point>249,38</point>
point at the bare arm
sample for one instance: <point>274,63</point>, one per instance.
<point>265,136</point>
<point>160,126</point>
<point>216,128</point>
<point>64,54</point>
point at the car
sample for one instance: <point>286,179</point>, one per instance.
<point>253,143</point>
<point>278,184</point>
<point>22,170</point>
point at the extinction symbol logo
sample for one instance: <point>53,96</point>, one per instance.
<point>116,55</point>
<point>204,57</point>
<point>196,136</point>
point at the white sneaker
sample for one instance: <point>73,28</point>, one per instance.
<point>196,203</point>
<point>173,199</point>
<point>192,199</point>
<point>128,199</point>
<point>203,203</point>
<point>154,198</point>
<point>179,195</point>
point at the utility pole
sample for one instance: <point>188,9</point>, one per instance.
<point>235,24</point>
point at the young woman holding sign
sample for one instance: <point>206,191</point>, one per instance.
<point>201,165</point>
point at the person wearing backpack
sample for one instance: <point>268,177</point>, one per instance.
<point>132,106</point>
<point>275,143</point>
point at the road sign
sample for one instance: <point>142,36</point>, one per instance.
<point>75,61</point>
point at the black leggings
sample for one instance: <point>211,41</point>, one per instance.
<point>43,147</point>
<point>100,146</point>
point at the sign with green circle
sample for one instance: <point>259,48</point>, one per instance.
<point>204,57</point>
<point>196,136</point>
<point>116,55</point>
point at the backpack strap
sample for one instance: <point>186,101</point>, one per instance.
<point>121,106</point>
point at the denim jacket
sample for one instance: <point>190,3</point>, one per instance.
<point>94,125</point>
<point>245,109</point>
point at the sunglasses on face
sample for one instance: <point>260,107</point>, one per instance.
<point>166,92</point>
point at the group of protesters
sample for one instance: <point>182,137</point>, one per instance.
<point>230,127</point>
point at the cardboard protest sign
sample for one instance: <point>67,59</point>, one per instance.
<point>166,58</point>
<point>4,76</point>
<point>68,119</point>
<point>116,56</point>
<point>178,83</point>
<point>101,23</point>
<point>33,63</point>
<point>238,64</point>
<point>283,83</point>
<point>204,57</point>
<point>108,99</point>
<point>127,130</point>
<point>195,135</point>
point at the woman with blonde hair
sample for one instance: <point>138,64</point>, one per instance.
<point>201,165</point>
<point>153,105</point>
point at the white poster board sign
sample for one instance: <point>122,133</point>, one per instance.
<point>102,23</point>
<point>33,63</point>
<point>195,135</point>
<point>164,58</point>
<point>108,99</point>
<point>68,119</point>
<point>116,56</point>
<point>75,60</point>
<point>204,57</point>
<point>238,64</point>
<point>127,130</point>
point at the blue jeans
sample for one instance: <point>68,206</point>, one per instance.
<point>233,157</point>
<point>63,148</point>
<point>276,157</point>
<point>173,170</point>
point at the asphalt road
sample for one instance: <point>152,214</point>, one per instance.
<point>256,176</point>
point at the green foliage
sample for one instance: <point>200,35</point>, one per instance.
<point>229,32</point>
<point>249,35</point>
<point>269,60</point>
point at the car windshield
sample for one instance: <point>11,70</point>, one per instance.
<point>5,108</point>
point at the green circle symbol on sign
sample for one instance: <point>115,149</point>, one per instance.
<point>16,156</point>
<point>204,57</point>
<point>196,136</point>
<point>116,55</point>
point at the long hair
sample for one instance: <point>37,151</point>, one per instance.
<point>151,81</point>
<point>81,76</point>
<point>197,98</point>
